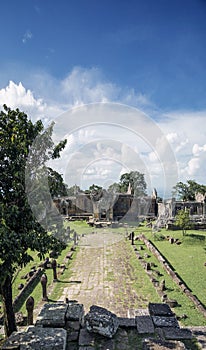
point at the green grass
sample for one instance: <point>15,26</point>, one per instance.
<point>62,281</point>
<point>187,259</point>
<point>142,284</point>
<point>37,291</point>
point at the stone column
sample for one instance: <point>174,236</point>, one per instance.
<point>44,287</point>
<point>68,233</point>
<point>75,238</point>
<point>132,237</point>
<point>54,268</point>
<point>30,309</point>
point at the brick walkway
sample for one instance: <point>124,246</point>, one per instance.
<point>102,275</point>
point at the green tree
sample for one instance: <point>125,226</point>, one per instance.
<point>73,190</point>
<point>182,220</point>
<point>187,191</point>
<point>95,188</point>
<point>56,184</point>
<point>115,188</point>
<point>19,230</point>
<point>136,181</point>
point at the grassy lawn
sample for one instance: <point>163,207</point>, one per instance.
<point>37,292</point>
<point>185,306</point>
<point>187,260</point>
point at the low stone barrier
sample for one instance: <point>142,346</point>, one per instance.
<point>27,290</point>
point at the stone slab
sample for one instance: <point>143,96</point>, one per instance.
<point>38,338</point>
<point>162,321</point>
<point>157,344</point>
<point>13,342</point>
<point>126,322</point>
<point>159,309</point>
<point>72,336</point>
<point>86,338</point>
<point>75,312</point>
<point>73,325</point>
<point>177,333</point>
<point>144,324</point>
<point>52,315</point>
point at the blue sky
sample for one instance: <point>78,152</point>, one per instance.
<point>147,54</point>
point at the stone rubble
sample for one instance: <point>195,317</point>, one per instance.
<point>63,326</point>
<point>100,320</point>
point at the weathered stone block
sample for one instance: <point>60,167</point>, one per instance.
<point>144,324</point>
<point>177,333</point>
<point>100,320</point>
<point>13,342</point>
<point>162,321</point>
<point>37,338</point>
<point>86,338</point>
<point>126,322</point>
<point>72,336</point>
<point>75,312</point>
<point>159,309</point>
<point>73,325</point>
<point>52,315</point>
<point>156,344</point>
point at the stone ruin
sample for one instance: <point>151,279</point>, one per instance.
<point>63,326</point>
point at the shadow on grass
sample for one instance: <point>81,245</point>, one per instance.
<point>71,282</point>
<point>195,236</point>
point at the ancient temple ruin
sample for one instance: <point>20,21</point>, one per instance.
<point>107,206</point>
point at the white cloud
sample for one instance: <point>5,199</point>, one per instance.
<point>186,133</point>
<point>139,143</point>
<point>27,36</point>
<point>193,166</point>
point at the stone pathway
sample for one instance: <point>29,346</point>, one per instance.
<point>102,275</point>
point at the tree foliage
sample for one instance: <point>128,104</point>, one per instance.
<point>73,190</point>
<point>19,230</point>
<point>133,180</point>
<point>56,184</point>
<point>187,191</point>
<point>182,220</point>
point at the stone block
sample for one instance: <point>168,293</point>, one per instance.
<point>177,333</point>
<point>159,309</point>
<point>13,342</point>
<point>52,315</point>
<point>157,344</point>
<point>86,338</point>
<point>126,322</point>
<point>75,312</point>
<point>73,325</point>
<point>100,320</point>
<point>144,324</point>
<point>162,321</point>
<point>72,336</point>
<point>37,338</point>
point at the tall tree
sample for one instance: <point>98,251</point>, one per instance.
<point>136,181</point>
<point>56,184</point>
<point>187,191</point>
<point>19,230</point>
